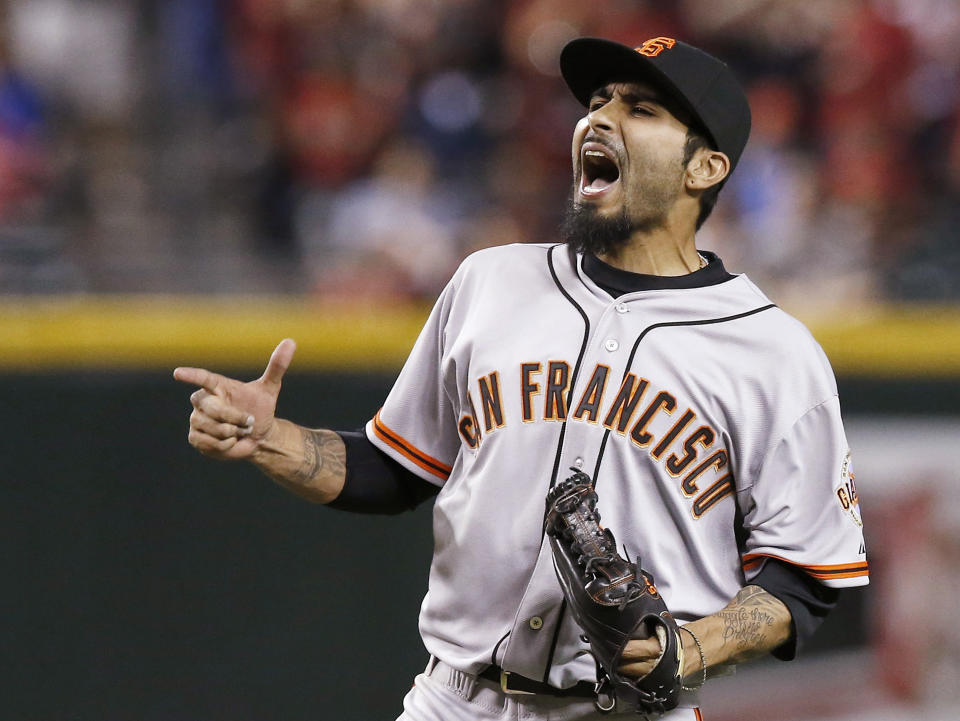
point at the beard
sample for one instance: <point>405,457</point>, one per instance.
<point>586,231</point>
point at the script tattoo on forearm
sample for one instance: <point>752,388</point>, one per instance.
<point>754,622</point>
<point>322,451</point>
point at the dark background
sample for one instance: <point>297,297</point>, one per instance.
<point>143,581</point>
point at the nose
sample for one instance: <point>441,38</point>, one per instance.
<point>599,119</point>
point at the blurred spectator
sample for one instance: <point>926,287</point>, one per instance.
<point>193,52</point>
<point>391,237</point>
<point>81,52</point>
<point>930,267</point>
<point>33,255</point>
<point>23,157</point>
<point>775,186</point>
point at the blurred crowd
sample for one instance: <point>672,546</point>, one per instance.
<point>358,149</point>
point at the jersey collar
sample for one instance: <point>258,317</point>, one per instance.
<point>617,282</point>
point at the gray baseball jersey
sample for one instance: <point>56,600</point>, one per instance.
<point>707,416</point>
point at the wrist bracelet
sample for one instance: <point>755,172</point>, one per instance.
<point>703,661</point>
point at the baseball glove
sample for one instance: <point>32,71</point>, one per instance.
<point>612,599</point>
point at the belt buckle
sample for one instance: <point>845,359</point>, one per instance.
<point>505,685</point>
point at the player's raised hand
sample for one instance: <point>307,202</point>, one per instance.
<point>230,418</point>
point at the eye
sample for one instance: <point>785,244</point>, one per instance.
<point>642,110</point>
<point>596,104</point>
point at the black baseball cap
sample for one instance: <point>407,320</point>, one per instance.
<point>699,82</point>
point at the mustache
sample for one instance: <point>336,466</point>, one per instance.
<point>592,137</point>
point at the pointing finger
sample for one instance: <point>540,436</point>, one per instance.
<point>279,362</point>
<point>211,382</point>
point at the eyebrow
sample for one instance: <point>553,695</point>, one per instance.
<point>633,96</point>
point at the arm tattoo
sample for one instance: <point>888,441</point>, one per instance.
<point>752,620</point>
<point>323,451</point>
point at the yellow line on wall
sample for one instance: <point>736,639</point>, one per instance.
<point>156,332</point>
<point>162,332</point>
<point>893,341</point>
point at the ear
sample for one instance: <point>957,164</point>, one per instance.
<point>706,169</point>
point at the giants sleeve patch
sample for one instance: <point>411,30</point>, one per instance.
<point>847,492</point>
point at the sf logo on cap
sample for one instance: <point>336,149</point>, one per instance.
<point>655,46</point>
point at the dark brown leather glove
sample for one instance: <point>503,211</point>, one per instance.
<point>612,599</point>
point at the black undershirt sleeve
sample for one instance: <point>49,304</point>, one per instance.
<point>376,483</point>
<point>809,602</point>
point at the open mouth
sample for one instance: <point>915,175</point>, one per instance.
<point>599,171</point>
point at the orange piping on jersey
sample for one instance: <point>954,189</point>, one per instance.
<point>699,715</point>
<point>410,451</point>
<point>823,573</point>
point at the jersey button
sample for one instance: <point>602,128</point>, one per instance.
<point>611,344</point>
<point>536,623</point>
<point>622,308</point>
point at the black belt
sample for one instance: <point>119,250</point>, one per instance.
<point>514,683</point>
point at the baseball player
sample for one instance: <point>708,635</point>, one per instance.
<point>706,417</point>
